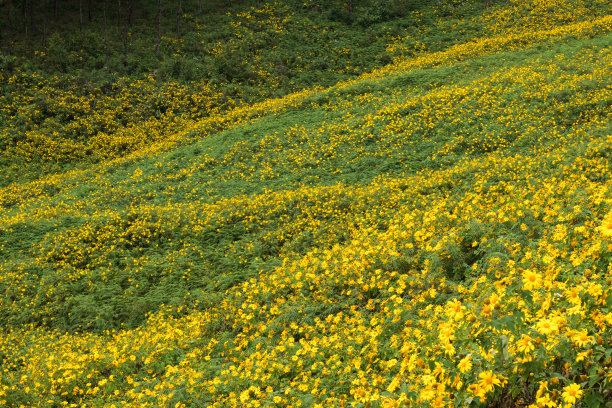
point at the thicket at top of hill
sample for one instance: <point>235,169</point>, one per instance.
<point>77,86</point>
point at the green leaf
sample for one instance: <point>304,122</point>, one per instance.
<point>593,399</point>
<point>504,348</point>
<point>593,377</point>
<point>510,322</point>
<point>559,376</point>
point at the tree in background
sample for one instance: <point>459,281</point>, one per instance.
<point>44,27</point>
<point>159,22</point>
<point>9,23</point>
<point>179,13</point>
<point>106,50</point>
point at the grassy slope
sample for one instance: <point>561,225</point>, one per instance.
<point>60,109</point>
<point>351,245</point>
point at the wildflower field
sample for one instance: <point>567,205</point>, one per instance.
<point>431,231</point>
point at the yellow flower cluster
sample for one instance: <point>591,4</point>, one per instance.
<point>54,125</point>
<point>479,273</point>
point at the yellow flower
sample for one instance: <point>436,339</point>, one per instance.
<point>595,290</point>
<point>454,309</point>
<point>581,356</point>
<point>244,396</point>
<point>476,390</point>
<point>393,385</point>
<point>543,388</point>
<point>545,401</point>
<point>547,326</point>
<point>581,338</point>
<point>487,310</point>
<point>525,344</point>
<point>571,393</point>
<point>465,364</point>
<point>388,403</point>
<point>488,381</point>
<point>531,280</point>
<point>606,226</point>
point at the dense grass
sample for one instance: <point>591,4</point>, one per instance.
<point>433,233</point>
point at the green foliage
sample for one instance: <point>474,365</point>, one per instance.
<point>145,248</point>
<point>167,241</point>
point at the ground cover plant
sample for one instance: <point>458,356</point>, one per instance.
<point>436,231</point>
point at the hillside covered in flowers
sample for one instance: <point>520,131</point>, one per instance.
<point>423,220</point>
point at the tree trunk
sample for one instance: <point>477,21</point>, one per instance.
<point>125,41</point>
<point>118,15</point>
<point>130,12</point>
<point>24,10</point>
<point>81,15</point>
<point>179,13</point>
<point>8,29</point>
<point>55,9</point>
<point>44,36</point>
<point>31,17</point>
<point>159,21</point>
<point>105,40</point>
<point>89,11</point>
<point>200,6</point>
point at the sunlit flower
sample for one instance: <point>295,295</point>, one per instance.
<point>571,393</point>
<point>544,400</point>
<point>547,326</point>
<point>531,280</point>
<point>606,226</point>
<point>525,344</point>
<point>581,338</point>
<point>465,364</point>
<point>488,381</point>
